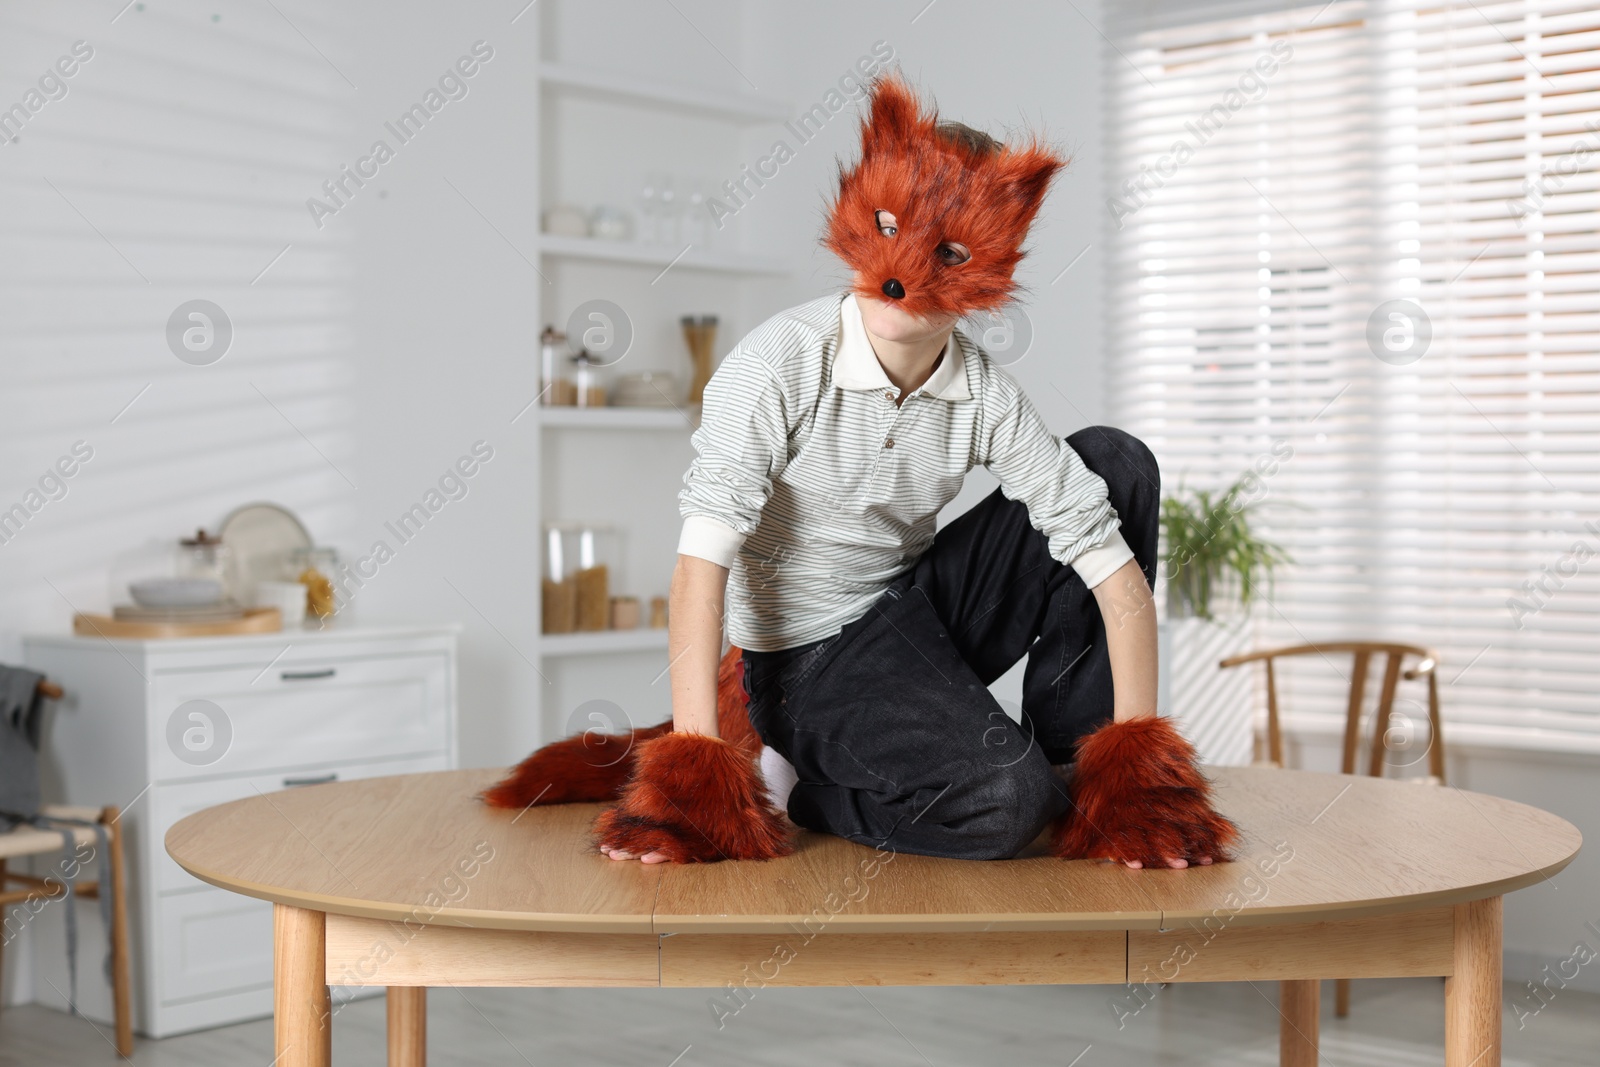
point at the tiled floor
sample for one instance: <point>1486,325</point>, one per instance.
<point>1393,1023</point>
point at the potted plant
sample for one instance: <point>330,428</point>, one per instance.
<point>1215,568</point>
<point>1210,549</point>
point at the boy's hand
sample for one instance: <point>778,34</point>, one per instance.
<point>648,857</point>
<point>1172,861</point>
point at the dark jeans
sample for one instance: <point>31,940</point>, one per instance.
<point>889,723</point>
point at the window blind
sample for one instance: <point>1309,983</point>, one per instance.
<point>1355,248</point>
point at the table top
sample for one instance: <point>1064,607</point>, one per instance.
<point>423,848</point>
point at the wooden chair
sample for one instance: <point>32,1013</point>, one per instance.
<point>1362,653</point>
<point>28,840</point>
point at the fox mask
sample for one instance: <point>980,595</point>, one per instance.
<point>932,224</point>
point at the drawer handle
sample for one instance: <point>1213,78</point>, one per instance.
<point>318,779</point>
<point>306,676</point>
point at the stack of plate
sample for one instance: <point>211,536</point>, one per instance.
<point>177,600</point>
<point>205,613</point>
<point>646,389</point>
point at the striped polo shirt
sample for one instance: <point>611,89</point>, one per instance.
<point>815,489</point>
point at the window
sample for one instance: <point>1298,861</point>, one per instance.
<point>1356,247</point>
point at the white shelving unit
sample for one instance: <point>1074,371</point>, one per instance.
<point>678,418</point>
<point>663,256</point>
<point>594,644</point>
<point>580,666</point>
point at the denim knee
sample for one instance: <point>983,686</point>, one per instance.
<point>1017,803</point>
<point>1108,450</point>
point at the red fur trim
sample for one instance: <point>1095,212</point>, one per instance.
<point>938,191</point>
<point>1137,794</point>
<point>594,766</point>
<point>698,799</point>
<point>584,767</point>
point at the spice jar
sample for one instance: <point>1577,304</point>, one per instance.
<point>576,586</point>
<point>315,568</point>
<point>591,380</point>
<point>555,388</point>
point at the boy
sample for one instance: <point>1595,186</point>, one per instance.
<point>830,438</point>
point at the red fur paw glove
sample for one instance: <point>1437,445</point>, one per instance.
<point>1137,794</point>
<point>697,799</point>
<point>584,767</point>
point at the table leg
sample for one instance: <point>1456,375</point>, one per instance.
<point>408,1026</point>
<point>1300,1003</point>
<point>302,1016</point>
<point>1472,994</point>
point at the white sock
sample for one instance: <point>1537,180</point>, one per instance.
<point>780,777</point>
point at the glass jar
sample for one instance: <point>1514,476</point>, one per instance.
<point>575,591</point>
<point>555,388</point>
<point>590,387</point>
<point>700,334</point>
<point>315,568</point>
<point>202,556</point>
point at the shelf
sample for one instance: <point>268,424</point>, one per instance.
<point>602,642</point>
<point>632,252</point>
<point>737,107</point>
<point>621,418</point>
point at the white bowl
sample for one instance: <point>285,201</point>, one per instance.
<point>288,597</point>
<point>175,592</point>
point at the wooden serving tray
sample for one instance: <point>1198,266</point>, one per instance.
<point>255,621</point>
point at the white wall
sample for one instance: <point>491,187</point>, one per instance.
<point>373,353</point>
<point>173,168</point>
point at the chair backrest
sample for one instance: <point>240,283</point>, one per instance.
<point>1362,653</point>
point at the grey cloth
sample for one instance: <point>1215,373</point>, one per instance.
<point>21,713</point>
<point>21,709</point>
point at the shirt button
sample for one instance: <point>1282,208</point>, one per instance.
<point>889,443</point>
<point>891,396</point>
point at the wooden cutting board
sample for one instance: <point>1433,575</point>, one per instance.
<point>255,621</point>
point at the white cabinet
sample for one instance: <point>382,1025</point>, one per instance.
<point>165,728</point>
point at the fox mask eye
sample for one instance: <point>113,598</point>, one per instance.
<point>988,195</point>
<point>950,253</point>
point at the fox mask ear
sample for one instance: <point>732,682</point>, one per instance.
<point>946,197</point>
<point>894,119</point>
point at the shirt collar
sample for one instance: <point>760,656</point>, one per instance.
<point>856,366</point>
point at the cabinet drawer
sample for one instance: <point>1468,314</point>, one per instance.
<point>173,802</point>
<point>211,944</point>
<point>249,719</point>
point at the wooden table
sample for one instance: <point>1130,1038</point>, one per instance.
<point>408,882</point>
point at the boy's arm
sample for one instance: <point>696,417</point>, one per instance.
<point>1128,607</point>
<point>691,795</point>
<point>694,642</point>
<point>1137,791</point>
